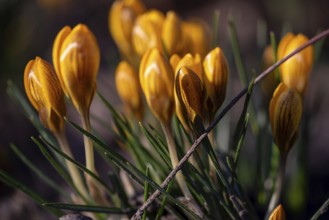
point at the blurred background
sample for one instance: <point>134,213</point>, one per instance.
<point>29,27</point>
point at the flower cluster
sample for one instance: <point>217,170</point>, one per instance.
<point>165,44</point>
<point>168,63</point>
<point>135,30</point>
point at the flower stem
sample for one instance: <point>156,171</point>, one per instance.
<point>174,160</point>
<point>89,149</point>
<point>278,185</point>
<point>73,170</point>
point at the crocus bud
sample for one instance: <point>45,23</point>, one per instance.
<point>196,37</point>
<point>128,88</point>
<point>76,58</point>
<point>147,32</point>
<point>269,83</point>
<point>174,60</point>
<point>295,71</point>
<point>215,80</point>
<point>172,33</point>
<point>189,90</point>
<point>278,213</point>
<point>121,20</point>
<point>157,82</point>
<point>44,91</point>
<point>193,63</point>
<point>285,114</point>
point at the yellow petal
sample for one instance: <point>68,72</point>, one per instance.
<point>295,71</point>
<point>196,37</point>
<point>193,63</point>
<point>172,34</point>
<point>156,77</point>
<point>128,88</point>
<point>283,45</point>
<point>45,93</point>
<point>215,79</point>
<point>63,33</point>
<point>121,19</point>
<point>278,213</point>
<point>145,35</point>
<point>189,91</point>
<point>285,114</point>
<point>78,60</point>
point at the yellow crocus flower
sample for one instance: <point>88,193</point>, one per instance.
<point>128,88</point>
<point>215,79</point>
<point>278,213</point>
<point>285,113</point>
<point>295,71</point>
<point>157,82</point>
<point>76,57</point>
<point>44,91</point>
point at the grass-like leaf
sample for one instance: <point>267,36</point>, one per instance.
<point>10,181</point>
<point>146,189</point>
<point>58,167</point>
<point>163,153</point>
<point>29,112</point>
<point>79,165</point>
<point>88,208</point>
<point>38,172</point>
<point>133,172</point>
<point>240,128</point>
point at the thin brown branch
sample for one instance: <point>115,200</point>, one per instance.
<point>196,143</point>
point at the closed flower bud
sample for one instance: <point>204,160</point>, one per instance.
<point>278,213</point>
<point>295,71</point>
<point>174,60</point>
<point>269,83</point>
<point>285,114</point>
<point>157,82</point>
<point>189,90</point>
<point>215,80</point>
<point>76,58</point>
<point>128,88</point>
<point>121,20</point>
<point>196,37</point>
<point>44,91</point>
<point>172,33</point>
<point>147,32</point>
<point>193,63</point>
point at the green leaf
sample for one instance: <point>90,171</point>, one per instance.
<point>88,208</point>
<point>164,202</point>
<point>29,112</point>
<point>242,123</point>
<point>38,172</point>
<point>133,172</point>
<point>10,181</point>
<point>163,153</point>
<point>58,167</point>
<point>146,190</point>
<point>79,165</point>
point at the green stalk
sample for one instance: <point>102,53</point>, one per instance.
<point>278,186</point>
<point>89,149</point>
<point>174,159</point>
<point>73,170</point>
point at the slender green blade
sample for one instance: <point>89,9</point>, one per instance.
<point>79,165</point>
<point>38,172</point>
<point>10,181</point>
<point>163,153</point>
<point>88,208</point>
<point>133,172</point>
